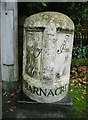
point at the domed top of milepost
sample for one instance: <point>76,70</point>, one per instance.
<point>43,19</point>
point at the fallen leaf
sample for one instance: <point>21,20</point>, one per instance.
<point>4,93</point>
<point>84,82</point>
<point>71,84</point>
<point>82,68</point>
<point>71,90</point>
<point>77,98</point>
<point>8,101</point>
<point>84,86</point>
<point>11,110</point>
<point>84,93</point>
<point>13,94</point>
<point>79,84</point>
<point>85,78</point>
<point>82,97</point>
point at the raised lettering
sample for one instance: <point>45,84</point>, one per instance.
<point>61,89</point>
<point>43,91</point>
<point>57,91</point>
<point>35,90</point>
<point>50,93</point>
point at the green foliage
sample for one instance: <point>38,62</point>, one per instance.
<point>77,11</point>
<point>78,62</point>
<point>80,51</point>
<point>79,100</point>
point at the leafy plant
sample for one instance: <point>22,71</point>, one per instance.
<point>80,51</point>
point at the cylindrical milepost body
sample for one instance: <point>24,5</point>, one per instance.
<point>47,51</point>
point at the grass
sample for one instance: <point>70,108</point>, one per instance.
<point>79,96</point>
<point>81,61</point>
<point>79,87</point>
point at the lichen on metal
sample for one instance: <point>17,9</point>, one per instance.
<point>47,51</point>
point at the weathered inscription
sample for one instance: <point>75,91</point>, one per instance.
<point>64,47</point>
<point>66,58</point>
<point>45,92</point>
<point>64,72</point>
<point>48,41</point>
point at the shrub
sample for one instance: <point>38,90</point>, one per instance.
<point>80,51</point>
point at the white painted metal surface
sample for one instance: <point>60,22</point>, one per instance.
<point>9,43</point>
<point>7,38</point>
